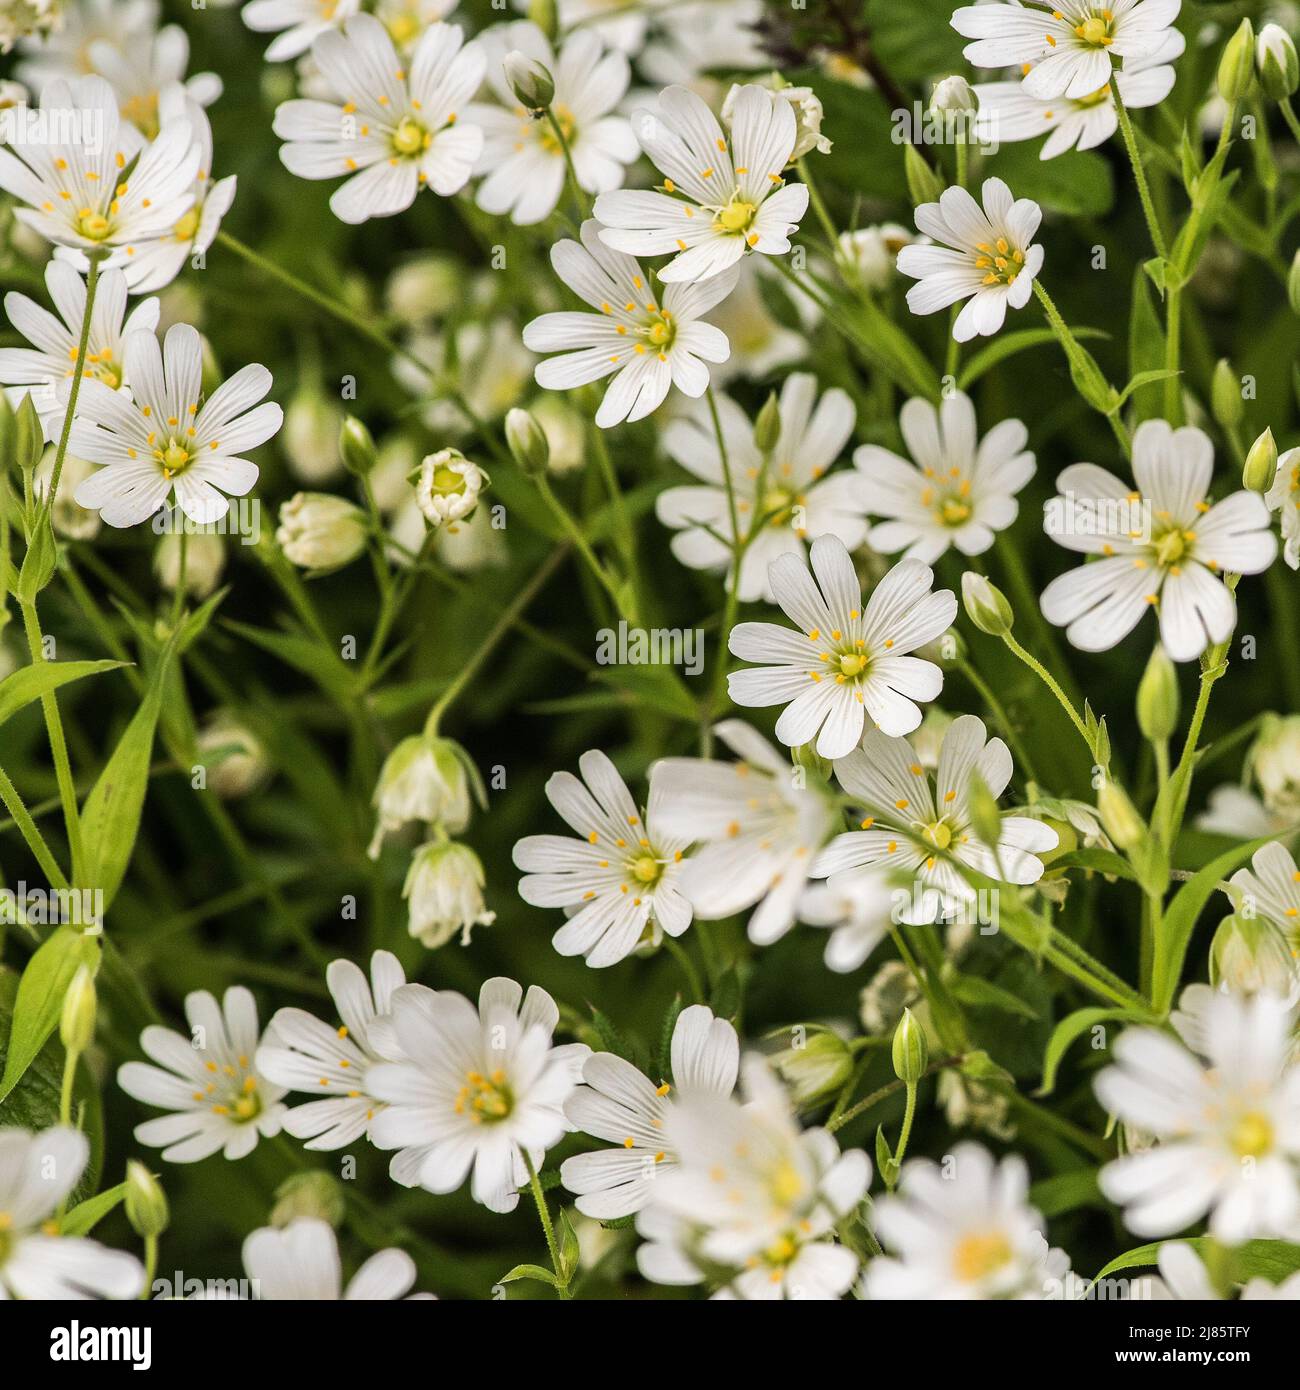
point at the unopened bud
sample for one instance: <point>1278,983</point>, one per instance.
<point>528,443</point>
<point>1157,698</point>
<point>1276,63</point>
<point>923,184</point>
<point>1225,395</point>
<point>29,435</point>
<point>77,1021</point>
<point>315,1195</point>
<point>529,80</point>
<point>357,447</point>
<point>767,428</point>
<point>821,1065</point>
<point>986,605</point>
<point>953,94</point>
<point>1119,816</point>
<point>910,1053</point>
<point>145,1201</point>
<point>1261,464</point>
<point>1237,65</point>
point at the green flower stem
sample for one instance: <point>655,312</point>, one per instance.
<point>36,842</point>
<point>548,1230</point>
<point>70,1060</point>
<point>884,1092</point>
<point>150,1264</point>
<point>693,982</point>
<point>1289,116</point>
<point>909,1114</point>
<point>820,210</point>
<point>580,202</point>
<point>625,533</point>
<point>178,598</point>
<point>583,547</point>
<point>1139,173</point>
<point>74,388</point>
<point>738,548</point>
<point>1076,354</point>
<point>54,730</point>
<point>1050,682</point>
<point>1025,598</point>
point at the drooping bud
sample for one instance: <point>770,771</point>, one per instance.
<point>315,1196</point>
<point>529,80</point>
<point>1261,464</point>
<point>1237,65</point>
<point>911,1055</point>
<point>444,892</point>
<point>1276,63</point>
<point>923,184</point>
<point>319,531</point>
<point>205,559</point>
<point>425,778</point>
<point>234,756</point>
<point>1157,698</point>
<point>529,446</point>
<point>986,605</point>
<point>1249,955</point>
<point>145,1201</point>
<point>816,1068</point>
<point>1274,759</point>
<point>357,447</point>
<point>1225,395</point>
<point>767,428</point>
<point>77,1019</point>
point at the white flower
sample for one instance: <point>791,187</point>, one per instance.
<point>398,126</point>
<point>807,109</point>
<point>65,50</point>
<point>319,531</point>
<point>700,39</point>
<point>1275,764</point>
<point>859,913</point>
<point>1229,1127</point>
<point>522,158</point>
<point>619,1104</point>
<point>447,487</point>
<point>1273,890</point>
<point>1070,50</point>
<point>986,256</point>
<point>424,778</point>
<point>43,368</point>
<point>406,20</point>
<point>758,824</point>
<point>909,817</point>
<point>646,345</point>
<point>141,74</point>
<point>37,1174</point>
<point>1233,811</point>
<point>781,499</point>
<point>1164,546</point>
<point>962,1231</point>
<point>297,23</point>
<point>72,192</point>
<point>209,1080</point>
<point>483,1088</point>
<point>752,1193</point>
<point>848,662</point>
<point>164,441</point>
<point>301,1262</point>
<point>25,19</point>
<point>1284,498</point>
<point>871,253</point>
<point>444,891</point>
<point>1185,1278</point>
<point>956,489</point>
<point>621,881</point>
<point>1007,112</point>
<point>301,1053</point>
<point>721,197</point>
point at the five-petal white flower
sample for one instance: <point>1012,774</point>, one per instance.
<point>301,1262</point>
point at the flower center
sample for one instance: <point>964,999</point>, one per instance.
<point>488,1099</point>
<point>953,511</point>
<point>1171,546</point>
<point>410,137</point>
<point>401,27</point>
<point>646,869</point>
<point>1096,31</point>
<point>1252,1135</point>
<point>189,224</point>
<point>736,216</point>
<point>447,481</point>
<point>776,505</point>
<point>93,225</point>
<point>175,458</point>
<point>939,834</point>
<point>781,1252</point>
<point>979,1255</point>
<point>546,134</point>
<point>1000,260</point>
<point>852,664</point>
<point>786,1184</point>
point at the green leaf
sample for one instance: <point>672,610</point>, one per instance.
<point>569,1253</point>
<point>1273,1260</point>
<point>1008,344</point>
<point>41,677</point>
<point>983,994</point>
<point>304,654</point>
<point>1146,346</point>
<point>543,1276</point>
<point>1066,1192</point>
<point>85,1216</point>
<point>1073,1026</point>
<point>1103,861</point>
<point>1143,379</point>
<point>38,563</point>
<point>39,998</point>
<point>726,998</point>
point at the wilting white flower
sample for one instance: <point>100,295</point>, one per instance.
<point>1273,889</point>
<point>26,19</point>
<point>646,345</point>
<point>1184,1277</point>
<point>447,487</point>
<point>523,160</point>
<point>849,661</point>
<point>780,498</point>
<point>72,192</point>
<point>1007,112</point>
<point>891,989</point>
<point>398,126</point>
<point>483,1088</point>
<point>319,531</point>
<point>1164,546</point>
<point>301,1053</point>
<point>904,806</point>
<point>721,197</point>
<point>752,1193</point>
<point>985,255</point>
<point>142,73</point>
<point>425,778</point>
<point>956,490</point>
<point>1070,50</point>
<point>301,1262</point>
<point>757,824</point>
<point>871,253</point>
<point>808,114</point>
<point>858,914</point>
<point>163,442</point>
<point>1284,498</point>
<point>209,1080</point>
<point>444,892</point>
<point>963,1231</point>
<point>619,1104</point>
<point>37,1174</point>
<point>621,881</point>
<point>296,23</point>
<point>1228,1126</point>
<point>234,757</point>
<point>43,368</point>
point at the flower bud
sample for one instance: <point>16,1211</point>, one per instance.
<point>803,101</point>
<point>1237,65</point>
<point>310,435</point>
<point>816,1068</point>
<point>528,443</point>
<point>205,559</point>
<point>910,1053</point>
<point>447,486</point>
<point>871,253</point>
<point>1261,464</point>
<point>356,447</point>
<point>1276,63</point>
<point>319,531</point>
<point>424,288</point>
<point>806,756</point>
<point>767,428</point>
<point>444,893</point>
<point>77,1019</point>
<point>923,184</point>
<point>986,606</point>
<point>1119,816</point>
<point>529,80</point>
<point>145,1201</point>
<point>312,1196</point>
<point>29,436</point>
<point>1250,956</point>
<point>1225,395</point>
<point>425,778</point>
<point>953,94</point>
<point>1157,698</point>
<point>982,806</point>
<point>238,763</point>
